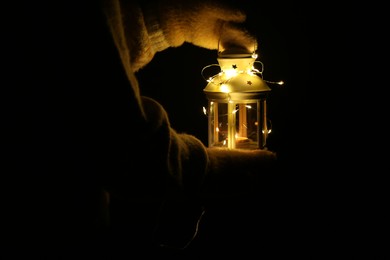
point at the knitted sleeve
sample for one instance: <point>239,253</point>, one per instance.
<point>161,160</point>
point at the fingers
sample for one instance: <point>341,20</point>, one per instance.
<point>233,36</point>
<point>223,12</point>
<point>209,24</point>
<point>221,27</point>
<point>217,34</point>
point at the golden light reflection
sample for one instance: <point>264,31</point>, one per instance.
<point>230,73</point>
<point>224,88</point>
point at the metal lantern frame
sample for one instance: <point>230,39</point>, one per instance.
<point>237,103</point>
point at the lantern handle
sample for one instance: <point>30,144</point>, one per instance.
<point>260,72</point>
<point>206,67</point>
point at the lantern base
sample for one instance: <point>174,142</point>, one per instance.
<point>241,143</point>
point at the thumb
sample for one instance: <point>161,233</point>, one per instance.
<point>235,36</point>
<point>223,11</point>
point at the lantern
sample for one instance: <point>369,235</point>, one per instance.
<point>237,108</point>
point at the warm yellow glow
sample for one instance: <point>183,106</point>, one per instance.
<point>230,73</point>
<point>255,71</point>
<point>276,82</point>
<point>225,88</point>
<point>237,89</point>
<point>241,139</point>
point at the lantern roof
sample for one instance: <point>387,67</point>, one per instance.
<point>237,74</point>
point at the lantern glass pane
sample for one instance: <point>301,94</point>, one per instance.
<point>218,125</point>
<point>237,124</point>
<point>246,125</point>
